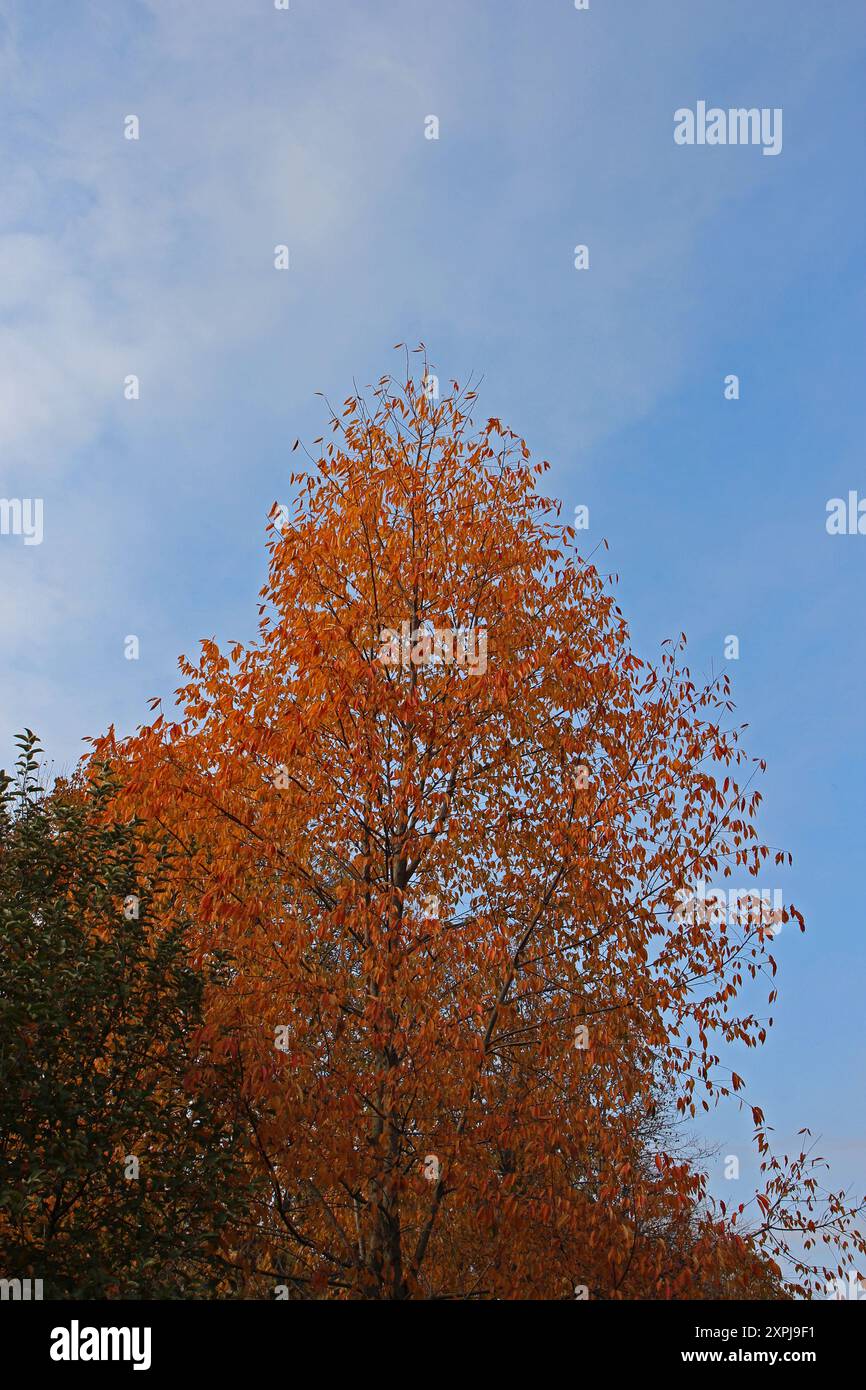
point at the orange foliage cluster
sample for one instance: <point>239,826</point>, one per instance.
<point>460,994</point>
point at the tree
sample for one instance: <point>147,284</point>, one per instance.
<point>444,819</point>
<point>117,1176</point>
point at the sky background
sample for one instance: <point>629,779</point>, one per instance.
<point>260,127</point>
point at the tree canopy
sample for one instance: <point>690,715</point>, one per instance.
<point>441,818</point>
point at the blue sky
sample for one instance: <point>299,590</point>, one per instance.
<point>306,127</point>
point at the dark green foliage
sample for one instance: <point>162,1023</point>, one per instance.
<point>100,1014</point>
